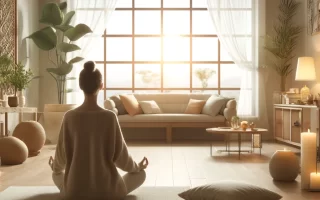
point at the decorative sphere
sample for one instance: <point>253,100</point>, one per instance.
<point>32,134</point>
<point>284,166</point>
<point>12,151</point>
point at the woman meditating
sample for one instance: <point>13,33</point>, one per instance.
<point>91,147</point>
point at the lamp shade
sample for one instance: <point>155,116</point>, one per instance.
<point>305,69</point>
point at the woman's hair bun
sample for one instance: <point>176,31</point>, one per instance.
<point>89,66</point>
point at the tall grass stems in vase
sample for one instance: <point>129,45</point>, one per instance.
<point>282,45</point>
<point>204,74</point>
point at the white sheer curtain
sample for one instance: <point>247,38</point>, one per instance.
<point>236,24</point>
<point>95,14</point>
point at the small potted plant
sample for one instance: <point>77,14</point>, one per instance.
<point>19,78</point>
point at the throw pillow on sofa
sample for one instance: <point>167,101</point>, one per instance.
<point>214,105</point>
<point>223,190</point>
<point>194,106</point>
<point>119,105</point>
<point>227,99</point>
<point>131,104</point>
<point>150,107</point>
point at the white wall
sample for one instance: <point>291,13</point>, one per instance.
<point>28,53</point>
<point>311,48</point>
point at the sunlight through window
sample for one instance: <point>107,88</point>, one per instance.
<point>149,47</point>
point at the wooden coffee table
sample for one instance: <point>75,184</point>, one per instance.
<point>227,131</point>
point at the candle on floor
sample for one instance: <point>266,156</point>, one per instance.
<point>315,181</point>
<point>284,165</point>
<point>308,157</point>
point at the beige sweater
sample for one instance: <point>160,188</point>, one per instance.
<point>90,148</point>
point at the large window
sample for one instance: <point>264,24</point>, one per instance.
<point>165,46</point>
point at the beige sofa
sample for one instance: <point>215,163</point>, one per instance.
<point>172,116</point>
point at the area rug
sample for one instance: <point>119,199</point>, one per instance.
<point>52,193</point>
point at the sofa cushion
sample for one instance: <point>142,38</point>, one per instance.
<point>119,105</point>
<point>195,106</point>
<point>166,117</point>
<point>214,105</point>
<point>131,104</point>
<point>224,106</point>
<point>171,103</point>
<point>110,105</point>
<point>150,107</point>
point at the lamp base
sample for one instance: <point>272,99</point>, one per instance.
<point>304,93</point>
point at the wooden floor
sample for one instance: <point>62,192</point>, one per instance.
<point>179,164</point>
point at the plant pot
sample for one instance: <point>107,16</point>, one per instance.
<point>53,115</point>
<point>13,101</point>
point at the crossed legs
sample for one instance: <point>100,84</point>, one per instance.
<point>131,180</point>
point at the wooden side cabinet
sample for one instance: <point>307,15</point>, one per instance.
<point>291,120</point>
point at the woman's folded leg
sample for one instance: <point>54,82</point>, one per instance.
<point>58,179</point>
<point>134,180</point>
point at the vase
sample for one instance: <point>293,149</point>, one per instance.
<point>235,123</point>
<point>13,101</point>
<point>277,97</point>
<point>5,101</point>
<point>21,99</point>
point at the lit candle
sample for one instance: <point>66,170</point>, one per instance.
<point>315,181</point>
<point>284,165</point>
<point>308,157</point>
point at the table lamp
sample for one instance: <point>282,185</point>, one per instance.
<point>305,72</point>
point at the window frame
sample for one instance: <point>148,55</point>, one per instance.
<point>191,89</point>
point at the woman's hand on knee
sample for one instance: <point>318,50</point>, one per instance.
<point>143,164</point>
<point>51,162</point>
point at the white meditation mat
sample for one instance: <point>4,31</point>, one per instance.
<point>52,193</point>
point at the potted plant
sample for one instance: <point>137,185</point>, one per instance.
<point>19,78</point>
<point>57,39</point>
<point>282,45</point>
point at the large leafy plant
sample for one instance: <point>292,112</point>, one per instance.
<point>283,43</point>
<point>57,38</point>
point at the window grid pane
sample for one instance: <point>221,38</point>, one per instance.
<point>133,62</point>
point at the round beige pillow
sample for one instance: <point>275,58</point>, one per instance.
<point>12,151</point>
<point>32,134</point>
